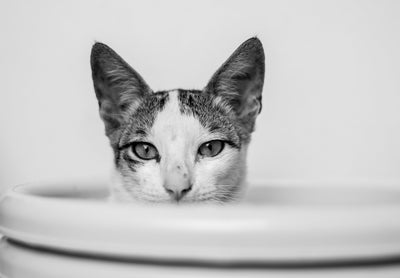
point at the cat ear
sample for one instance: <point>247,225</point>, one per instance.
<point>118,87</point>
<point>239,81</point>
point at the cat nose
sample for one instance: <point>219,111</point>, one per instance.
<point>177,185</point>
<point>177,192</point>
<point>177,181</point>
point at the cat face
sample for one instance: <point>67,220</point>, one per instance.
<point>179,145</point>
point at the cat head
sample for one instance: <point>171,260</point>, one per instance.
<point>180,145</point>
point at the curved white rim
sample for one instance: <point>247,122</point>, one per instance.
<point>234,233</point>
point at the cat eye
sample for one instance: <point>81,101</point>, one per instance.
<point>211,148</point>
<point>144,150</point>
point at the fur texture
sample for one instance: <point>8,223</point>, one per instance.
<point>177,124</point>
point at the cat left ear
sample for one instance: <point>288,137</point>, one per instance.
<point>240,81</point>
<point>119,88</point>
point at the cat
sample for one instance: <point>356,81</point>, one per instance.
<point>179,146</point>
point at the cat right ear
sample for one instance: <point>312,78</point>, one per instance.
<point>240,81</point>
<point>119,88</point>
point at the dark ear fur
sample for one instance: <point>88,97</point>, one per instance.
<point>240,81</point>
<point>118,87</point>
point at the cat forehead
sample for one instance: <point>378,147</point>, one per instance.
<point>181,110</point>
<point>171,123</point>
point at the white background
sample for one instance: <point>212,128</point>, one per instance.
<point>331,99</point>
